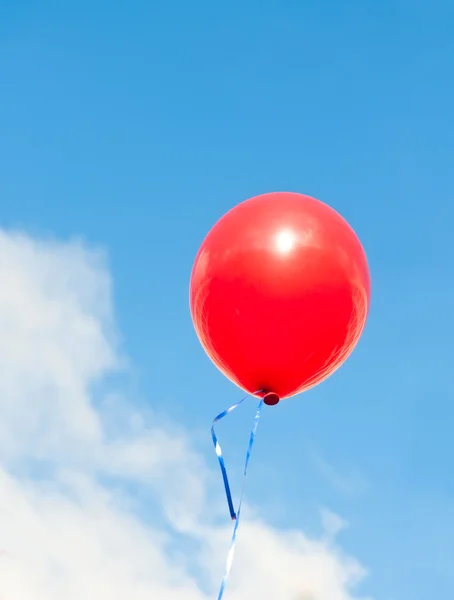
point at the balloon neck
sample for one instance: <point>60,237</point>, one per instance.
<point>271,399</point>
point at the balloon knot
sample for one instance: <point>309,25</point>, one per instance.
<point>271,399</point>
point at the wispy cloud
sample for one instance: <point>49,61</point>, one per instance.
<point>348,482</point>
<point>65,532</point>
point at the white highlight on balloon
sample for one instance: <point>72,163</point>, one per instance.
<point>285,241</point>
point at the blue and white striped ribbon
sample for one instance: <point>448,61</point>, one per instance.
<point>235,516</point>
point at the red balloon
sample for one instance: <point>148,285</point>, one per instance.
<point>280,293</point>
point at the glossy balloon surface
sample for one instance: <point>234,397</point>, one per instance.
<point>279,293</point>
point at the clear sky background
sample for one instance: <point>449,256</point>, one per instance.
<point>131,127</point>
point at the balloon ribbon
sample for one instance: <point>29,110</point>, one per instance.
<point>235,516</point>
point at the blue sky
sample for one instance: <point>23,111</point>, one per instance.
<point>137,125</point>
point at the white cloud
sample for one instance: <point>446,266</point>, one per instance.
<point>64,532</point>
